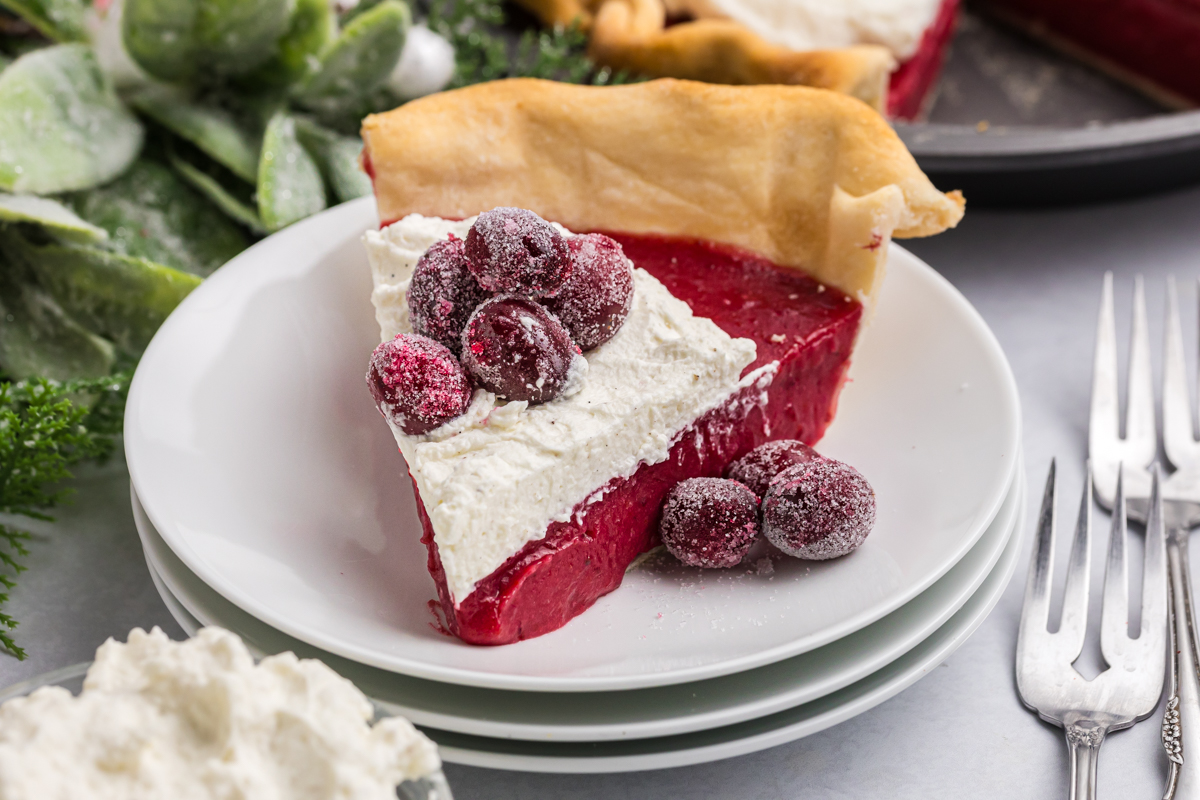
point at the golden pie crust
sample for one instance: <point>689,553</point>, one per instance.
<point>633,35</point>
<point>807,178</point>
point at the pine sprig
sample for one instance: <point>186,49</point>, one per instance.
<point>13,549</point>
<point>45,428</point>
<point>483,53</point>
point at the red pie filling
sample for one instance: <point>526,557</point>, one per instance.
<point>808,330</point>
<point>910,84</point>
<point>1156,40</point>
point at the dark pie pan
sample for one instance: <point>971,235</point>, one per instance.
<point>1015,123</point>
<point>1024,166</point>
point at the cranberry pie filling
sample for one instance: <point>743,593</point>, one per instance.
<point>531,512</point>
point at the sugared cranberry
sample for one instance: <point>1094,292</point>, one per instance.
<point>709,522</point>
<point>818,510</point>
<point>417,383</point>
<point>595,301</point>
<point>516,251</point>
<point>443,293</point>
<point>757,468</point>
<point>517,349</point>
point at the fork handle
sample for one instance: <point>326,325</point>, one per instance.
<point>1181,720</point>
<point>1083,740</point>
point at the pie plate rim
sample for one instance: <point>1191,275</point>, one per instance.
<point>772,731</point>
<point>777,686</point>
<point>230,480</point>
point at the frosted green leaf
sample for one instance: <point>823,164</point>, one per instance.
<point>4,61</point>
<point>60,20</point>
<point>289,180</point>
<point>201,40</point>
<point>337,156</point>
<point>61,125</point>
<point>122,298</point>
<point>357,61</point>
<point>151,213</point>
<point>312,27</point>
<point>104,35</point>
<point>361,7</point>
<point>213,130</point>
<point>233,207</point>
<point>50,214</point>
<point>37,338</point>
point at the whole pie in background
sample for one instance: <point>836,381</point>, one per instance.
<point>887,53</point>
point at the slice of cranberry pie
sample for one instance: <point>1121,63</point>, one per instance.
<point>748,229</point>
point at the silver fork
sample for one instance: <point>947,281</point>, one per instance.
<point>1180,491</point>
<point>1130,688</point>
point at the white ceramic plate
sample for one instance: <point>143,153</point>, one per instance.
<point>640,713</point>
<point>747,737</point>
<point>259,456</point>
<point>708,745</point>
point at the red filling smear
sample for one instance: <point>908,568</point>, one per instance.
<point>810,332</point>
<point>910,84</point>
<point>1157,40</point>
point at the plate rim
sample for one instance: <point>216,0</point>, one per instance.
<point>354,213</point>
<point>871,691</point>
<point>180,599</point>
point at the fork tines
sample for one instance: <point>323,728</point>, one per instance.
<point>1130,688</point>
<point>1179,441</point>
<point>1106,448</point>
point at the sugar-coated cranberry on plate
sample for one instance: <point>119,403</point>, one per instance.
<point>818,510</point>
<point>443,293</point>
<point>759,467</point>
<point>595,300</point>
<point>515,251</point>
<point>517,349</point>
<point>709,522</point>
<point>417,383</point>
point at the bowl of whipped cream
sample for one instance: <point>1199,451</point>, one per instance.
<point>201,719</point>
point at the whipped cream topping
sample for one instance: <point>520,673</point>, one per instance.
<point>196,720</point>
<point>824,24</point>
<point>495,478</point>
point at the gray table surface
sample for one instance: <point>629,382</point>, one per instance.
<point>960,731</point>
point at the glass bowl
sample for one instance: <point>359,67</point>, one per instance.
<point>431,787</point>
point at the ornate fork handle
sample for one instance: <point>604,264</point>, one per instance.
<point>1181,722</point>
<point>1084,738</point>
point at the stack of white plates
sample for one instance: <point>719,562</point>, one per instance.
<point>271,501</point>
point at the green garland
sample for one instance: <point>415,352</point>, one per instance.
<point>483,53</point>
<point>45,428</point>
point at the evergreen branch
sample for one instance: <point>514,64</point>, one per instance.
<point>45,428</point>
<point>483,54</point>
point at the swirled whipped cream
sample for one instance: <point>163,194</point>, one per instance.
<point>497,477</point>
<point>824,24</point>
<point>198,720</point>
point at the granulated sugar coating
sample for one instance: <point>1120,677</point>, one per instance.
<point>819,510</point>
<point>709,522</point>
<point>514,250</point>
<point>759,467</point>
<point>518,350</point>
<point>595,301</point>
<point>443,293</point>
<point>417,383</point>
